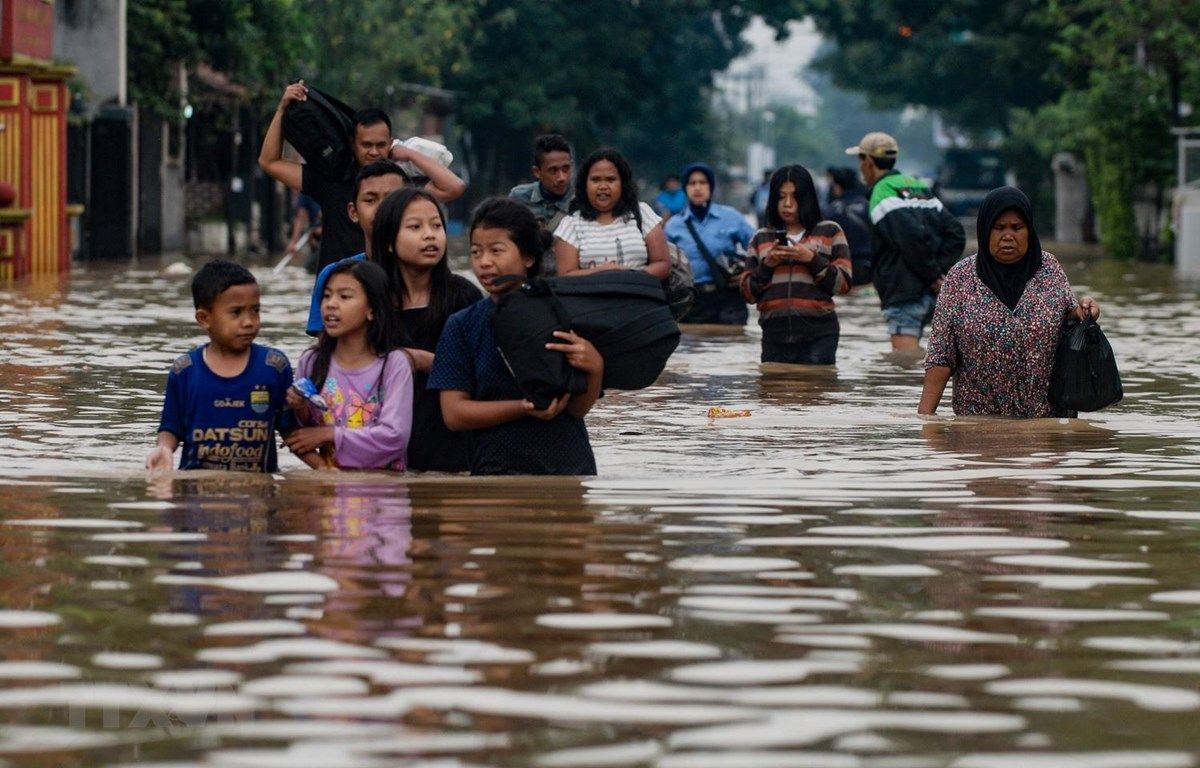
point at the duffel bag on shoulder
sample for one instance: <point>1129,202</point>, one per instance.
<point>321,128</point>
<point>626,316</point>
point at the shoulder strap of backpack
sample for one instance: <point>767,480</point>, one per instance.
<point>713,265</point>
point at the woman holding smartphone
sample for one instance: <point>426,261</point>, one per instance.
<point>796,264</point>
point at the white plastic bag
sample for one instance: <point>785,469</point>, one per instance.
<point>429,148</point>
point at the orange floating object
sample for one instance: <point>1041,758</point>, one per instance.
<point>724,413</point>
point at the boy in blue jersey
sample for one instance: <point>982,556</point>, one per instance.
<point>224,397</point>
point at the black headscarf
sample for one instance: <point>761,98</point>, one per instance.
<point>700,211</point>
<point>1007,281</point>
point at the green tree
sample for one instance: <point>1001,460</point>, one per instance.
<point>163,36</point>
<point>1130,70</point>
<point>972,61</point>
<point>234,36</point>
<point>371,51</point>
<point>1106,78</point>
<point>230,36</point>
<point>634,74</point>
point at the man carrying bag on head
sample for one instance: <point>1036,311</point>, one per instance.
<point>711,234</point>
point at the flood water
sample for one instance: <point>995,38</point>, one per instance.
<point>831,581</point>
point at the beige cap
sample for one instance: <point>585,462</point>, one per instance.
<point>876,144</point>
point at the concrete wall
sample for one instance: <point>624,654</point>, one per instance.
<point>91,35</point>
<point>1071,198</point>
<point>174,229</point>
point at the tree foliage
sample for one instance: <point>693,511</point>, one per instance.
<point>1129,73</point>
<point>163,34</point>
<point>630,73</point>
<point>233,37</point>
<point>373,51</point>
<point>1105,78</point>
<point>972,61</point>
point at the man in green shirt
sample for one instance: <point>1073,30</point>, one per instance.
<point>914,240</point>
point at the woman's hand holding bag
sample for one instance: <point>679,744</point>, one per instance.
<point>1085,376</point>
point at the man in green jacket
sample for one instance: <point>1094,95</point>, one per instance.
<point>914,240</point>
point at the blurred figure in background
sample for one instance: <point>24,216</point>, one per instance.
<point>305,220</point>
<point>550,196</point>
<point>758,198</point>
<point>714,237</point>
<point>847,205</point>
<point>671,198</point>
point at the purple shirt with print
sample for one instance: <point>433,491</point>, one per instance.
<point>370,410</point>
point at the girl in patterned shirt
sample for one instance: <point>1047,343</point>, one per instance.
<point>795,267</point>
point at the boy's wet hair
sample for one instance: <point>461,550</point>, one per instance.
<point>370,116</point>
<point>547,143</point>
<point>216,277</point>
<point>378,168</point>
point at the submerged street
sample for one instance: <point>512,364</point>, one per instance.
<point>831,581</point>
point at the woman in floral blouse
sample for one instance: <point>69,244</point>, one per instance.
<point>999,318</point>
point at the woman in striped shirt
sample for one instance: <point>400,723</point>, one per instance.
<point>608,228</point>
<point>796,265</point>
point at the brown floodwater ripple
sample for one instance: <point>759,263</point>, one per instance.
<point>831,581</point>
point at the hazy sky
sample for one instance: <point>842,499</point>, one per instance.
<point>781,59</point>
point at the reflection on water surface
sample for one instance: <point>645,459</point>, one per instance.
<point>829,582</point>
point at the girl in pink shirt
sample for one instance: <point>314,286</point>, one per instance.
<point>367,388</point>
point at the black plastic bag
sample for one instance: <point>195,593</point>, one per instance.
<point>1085,376</point>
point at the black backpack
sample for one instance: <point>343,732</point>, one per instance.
<point>622,312</point>
<point>523,322</point>
<point>321,128</point>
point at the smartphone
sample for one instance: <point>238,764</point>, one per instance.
<point>781,237</point>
